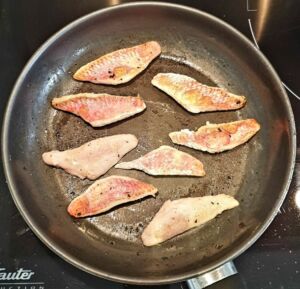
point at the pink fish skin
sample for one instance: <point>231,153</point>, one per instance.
<point>107,193</point>
<point>119,66</point>
<point>166,160</point>
<point>100,109</point>
<point>216,138</point>
<point>196,97</point>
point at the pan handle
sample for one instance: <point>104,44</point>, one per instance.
<point>213,276</point>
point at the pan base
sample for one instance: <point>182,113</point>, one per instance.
<point>224,172</point>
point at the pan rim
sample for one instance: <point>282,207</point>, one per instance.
<point>119,277</point>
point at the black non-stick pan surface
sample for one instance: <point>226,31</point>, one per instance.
<point>194,43</point>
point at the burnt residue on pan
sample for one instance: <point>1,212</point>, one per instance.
<point>224,172</point>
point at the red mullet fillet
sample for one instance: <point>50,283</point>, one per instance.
<point>107,193</point>
<point>119,66</point>
<point>94,158</point>
<point>215,138</point>
<point>166,161</point>
<point>176,217</point>
<point>100,109</point>
<point>195,96</point>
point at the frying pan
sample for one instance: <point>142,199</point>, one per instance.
<point>194,43</point>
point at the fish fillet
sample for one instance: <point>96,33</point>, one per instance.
<point>166,161</point>
<point>196,97</point>
<point>215,138</point>
<point>176,217</point>
<point>107,193</point>
<point>119,66</point>
<point>94,158</point>
<point>100,109</point>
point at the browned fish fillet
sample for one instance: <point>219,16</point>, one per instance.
<point>100,109</point>
<point>215,138</point>
<point>179,216</point>
<point>166,161</point>
<point>196,97</point>
<point>119,66</point>
<point>94,158</point>
<point>107,193</point>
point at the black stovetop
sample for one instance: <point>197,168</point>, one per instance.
<point>274,260</point>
